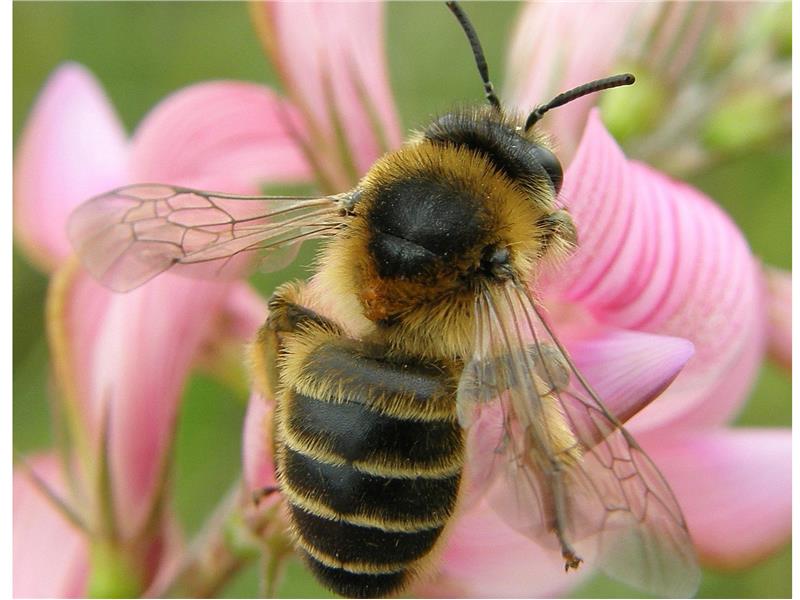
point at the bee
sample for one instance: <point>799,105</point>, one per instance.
<point>429,265</point>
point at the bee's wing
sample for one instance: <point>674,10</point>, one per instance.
<point>128,236</point>
<point>575,475</point>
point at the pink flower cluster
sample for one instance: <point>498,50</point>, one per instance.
<point>663,291</point>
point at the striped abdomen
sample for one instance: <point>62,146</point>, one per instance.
<point>369,456</point>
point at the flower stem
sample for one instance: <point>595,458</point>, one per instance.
<point>228,541</point>
<point>273,565</point>
<point>115,573</point>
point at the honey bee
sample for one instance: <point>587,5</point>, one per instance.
<point>429,264</point>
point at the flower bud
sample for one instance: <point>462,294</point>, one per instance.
<point>637,110</point>
<point>113,574</point>
<point>743,121</point>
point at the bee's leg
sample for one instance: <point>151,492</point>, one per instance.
<point>287,314</point>
<point>286,317</point>
<point>265,492</point>
<point>559,236</point>
<point>553,376</point>
<point>550,366</point>
<point>571,559</point>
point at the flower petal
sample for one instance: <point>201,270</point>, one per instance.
<point>779,315</point>
<point>734,486</point>
<point>630,369</point>
<point>484,558</point>
<point>573,43</point>
<point>339,80</point>
<point>72,148</point>
<point>245,311</point>
<point>223,135</point>
<point>223,354</point>
<point>142,359</point>
<point>124,358</point>
<point>656,255</point>
<point>259,470</point>
<point>42,568</point>
<point>557,46</point>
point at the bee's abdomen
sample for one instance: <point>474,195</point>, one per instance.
<point>370,459</point>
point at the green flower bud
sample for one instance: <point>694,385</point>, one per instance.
<point>636,111</point>
<point>782,31</point>
<point>113,573</point>
<point>745,120</point>
<point>773,25</point>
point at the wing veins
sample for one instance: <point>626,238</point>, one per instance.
<point>613,490</point>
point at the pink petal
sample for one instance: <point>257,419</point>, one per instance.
<point>42,568</point>
<point>259,470</point>
<point>224,136</point>
<point>557,46</point>
<point>142,360</point>
<point>125,358</point>
<point>779,315</point>
<point>340,74</point>
<point>73,147</point>
<point>656,255</point>
<point>726,389</point>
<point>223,355</point>
<point>629,369</point>
<point>735,488</point>
<point>244,312</point>
<point>484,558</point>
<point>72,298</point>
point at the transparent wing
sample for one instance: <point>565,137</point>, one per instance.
<point>128,236</point>
<point>576,479</point>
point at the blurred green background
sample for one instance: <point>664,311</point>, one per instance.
<point>143,51</point>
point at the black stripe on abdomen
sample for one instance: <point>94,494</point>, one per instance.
<point>356,585</point>
<point>362,549</point>
<point>356,433</point>
<point>370,485</point>
<point>349,492</point>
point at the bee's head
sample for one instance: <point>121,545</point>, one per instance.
<point>432,225</point>
<point>503,140</point>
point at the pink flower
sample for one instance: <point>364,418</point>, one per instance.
<point>121,360</point>
<point>339,82</point>
<point>662,280</point>
<point>701,69</point>
<point>779,313</point>
<point>36,525</point>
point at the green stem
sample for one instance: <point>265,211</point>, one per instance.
<point>234,535</point>
<point>114,573</point>
<point>208,562</point>
<point>274,560</point>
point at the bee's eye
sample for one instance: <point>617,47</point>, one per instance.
<point>494,256</point>
<point>551,165</point>
<point>495,262</point>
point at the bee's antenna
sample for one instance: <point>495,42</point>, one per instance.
<point>575,93</point>
<point>477,52</point>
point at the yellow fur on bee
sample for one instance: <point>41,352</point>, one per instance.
<point>563,444</point>
<point>432,318</point>
<point>295,373</point>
